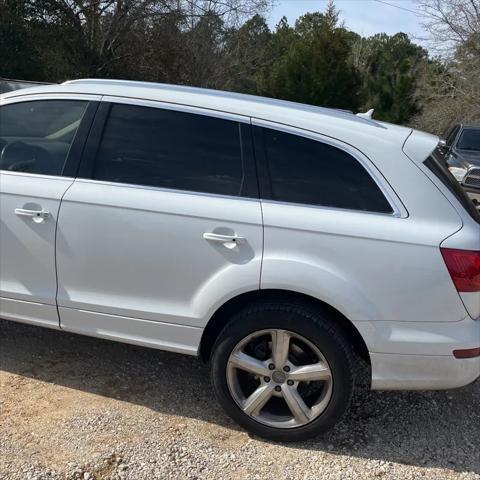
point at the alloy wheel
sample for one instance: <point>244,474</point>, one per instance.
<point>279,378</point>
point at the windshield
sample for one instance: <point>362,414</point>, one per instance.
<point>469,140</point>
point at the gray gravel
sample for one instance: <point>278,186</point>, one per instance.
<point>73,407</point>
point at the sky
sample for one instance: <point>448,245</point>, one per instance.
<point>365,17</point>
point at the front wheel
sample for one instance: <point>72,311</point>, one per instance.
<point>283,372</point>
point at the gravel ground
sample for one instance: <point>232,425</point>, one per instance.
<point>73,407</point>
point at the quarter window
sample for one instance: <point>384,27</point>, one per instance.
<point>310,172</point>
<point>170,149</point>
<point>35,137</point>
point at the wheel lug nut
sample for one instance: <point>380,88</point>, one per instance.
<point>271,366</point>
<point>290,382</point>
<point>266,379</point>
<point>286,368</point>
<point>278,389</point>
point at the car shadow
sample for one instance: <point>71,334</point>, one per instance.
<point>387,426</point>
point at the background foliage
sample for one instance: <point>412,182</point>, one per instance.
<point>227,44</point>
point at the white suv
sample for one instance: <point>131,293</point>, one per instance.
<point>283,243</point>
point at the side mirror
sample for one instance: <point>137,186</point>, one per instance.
<point>442,146</point>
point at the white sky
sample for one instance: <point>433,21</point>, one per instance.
<point>365,17</point>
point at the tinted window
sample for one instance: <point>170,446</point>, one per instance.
<point>438,165</point>
<point>164,148</point>
<point>469,140</point>
<point>311,172</point>
<point>35,137</point>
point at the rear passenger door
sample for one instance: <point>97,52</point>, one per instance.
<point>162,225</point>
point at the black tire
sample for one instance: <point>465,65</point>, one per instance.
<point>314,325</point>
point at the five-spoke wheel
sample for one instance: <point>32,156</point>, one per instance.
<point>279,378</point>
<point>283,371</point>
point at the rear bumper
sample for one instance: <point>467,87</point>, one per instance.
<point>419,355</point>
<point>422,372</point>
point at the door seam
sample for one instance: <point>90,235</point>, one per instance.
<point>55,251</point>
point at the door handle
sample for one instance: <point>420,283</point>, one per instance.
<point>226,239</point>
<point>38,216</point>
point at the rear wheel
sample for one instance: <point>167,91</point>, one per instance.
<point>283,372</point>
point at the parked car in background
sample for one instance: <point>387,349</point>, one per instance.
<point>9,85</point>
<point>462,152</point>
<point>284,243</point>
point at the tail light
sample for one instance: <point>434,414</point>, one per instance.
<point>467,353</point>
<point>464,268</point>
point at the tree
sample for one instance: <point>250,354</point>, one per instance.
<point>247,51</point>
<point>313,65</point>
<point>227,44</point>
<point>451,24</point>
<point>104,37</point>
<point>450,89</point>
<point>18,50</point>
<point>158,49</point>
<point>389,67</point>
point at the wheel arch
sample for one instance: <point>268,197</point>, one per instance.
<point>222,315</point>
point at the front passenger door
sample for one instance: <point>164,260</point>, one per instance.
<point>39,142</point>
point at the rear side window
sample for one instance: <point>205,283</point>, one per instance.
<point>170,149</point>
<point>35,137</point>
<point>310,172</point>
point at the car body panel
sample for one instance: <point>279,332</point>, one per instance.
<point>341,256</point>
<point>164,336</point>
<point>27,248</point>
<point>140,252</point>
<point>422,372</point>
<point>336,257</point>
<point>32,313</point>
<point>468,238</point>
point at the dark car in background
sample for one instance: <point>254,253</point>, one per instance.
<point>462,150</point>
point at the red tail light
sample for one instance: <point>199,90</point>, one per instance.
<point>464,268</point>
<point>467,353</point>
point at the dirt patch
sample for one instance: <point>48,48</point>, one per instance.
<point>73,407</point>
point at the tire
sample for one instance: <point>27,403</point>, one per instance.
<point>313,335</point>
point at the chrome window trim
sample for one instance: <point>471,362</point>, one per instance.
<point>178,107</point>
<point>394,214</point>
<point>34,175</point>
<point>33,97</point>
<point>163,189</point>
<point>227,197</point>
<point>398,209</point>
